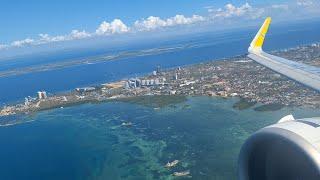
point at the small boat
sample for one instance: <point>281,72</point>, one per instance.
<point>172,164</point>
<point>126,124</point>
<point>182,173</point>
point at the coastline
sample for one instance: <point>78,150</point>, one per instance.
<point>156,102</point>
<point>233,77</point>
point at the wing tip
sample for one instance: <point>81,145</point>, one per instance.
<point>257,42</point>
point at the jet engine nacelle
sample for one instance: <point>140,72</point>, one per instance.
<point>288,150</point>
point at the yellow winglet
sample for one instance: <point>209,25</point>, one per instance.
<point>257,43</point>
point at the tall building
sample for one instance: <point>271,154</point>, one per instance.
<point>42,94</point>
<point>133,83</point>
<point>26,101</point>
<point>158,70</point>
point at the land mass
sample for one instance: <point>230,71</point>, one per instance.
<point>232,77</point>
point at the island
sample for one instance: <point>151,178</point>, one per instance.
<point>230,77</point>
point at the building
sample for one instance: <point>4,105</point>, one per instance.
<point>133,83</point>
<point>136,83</point>
<point>172,92</point>
<point>157,81</point>
<point>176,76</point>
<point>85,89</point>
<point>26,102</point>
<point>42,94</point>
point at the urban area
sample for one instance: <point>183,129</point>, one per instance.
<point>231,77</point>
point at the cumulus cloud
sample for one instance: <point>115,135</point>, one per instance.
<point>150,23</point>
<point>230,12</point>
<point>116,26</point>
<point>22,42</point>
<point>181,20</point>
<point>76,34</point>
<point>46,38</point>
<point>153,22</point>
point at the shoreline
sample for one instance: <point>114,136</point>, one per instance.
<point>158,102</point>
<point>228,77</point>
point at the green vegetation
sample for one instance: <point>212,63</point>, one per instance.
<point>269,107</point>
<point>243,104</point>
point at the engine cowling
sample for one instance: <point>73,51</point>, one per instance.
<point>288,150</point>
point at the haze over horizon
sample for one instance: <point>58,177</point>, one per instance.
<point>47,24</point>
<point>140,89</point>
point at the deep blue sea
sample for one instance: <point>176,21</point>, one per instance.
<point>88,141</point>
<point>196,49</point>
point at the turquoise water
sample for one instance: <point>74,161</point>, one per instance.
<point>88,141</point>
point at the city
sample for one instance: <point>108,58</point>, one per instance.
<point>231,77</point>
<point>160,90</point>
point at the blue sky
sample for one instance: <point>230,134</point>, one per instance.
<point>35,22</point>
<point>58,17</point>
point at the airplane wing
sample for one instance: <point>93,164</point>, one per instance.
<point>302,73</point>
<point>289,149</point>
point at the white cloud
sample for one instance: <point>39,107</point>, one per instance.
<point>306,8</point>
<point>304,2</point>
<point>210,10</point>
<point>181,20</point>
<point>153,22</point>
<point>19,43</point>
<point>46,38</point>
<point>116,26</point>
<point>76,34</point>
<point>3,46</point>
<point>230,12</point>
<point>280,6</point>
<point>150,23</point>
<point>208,7</point>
